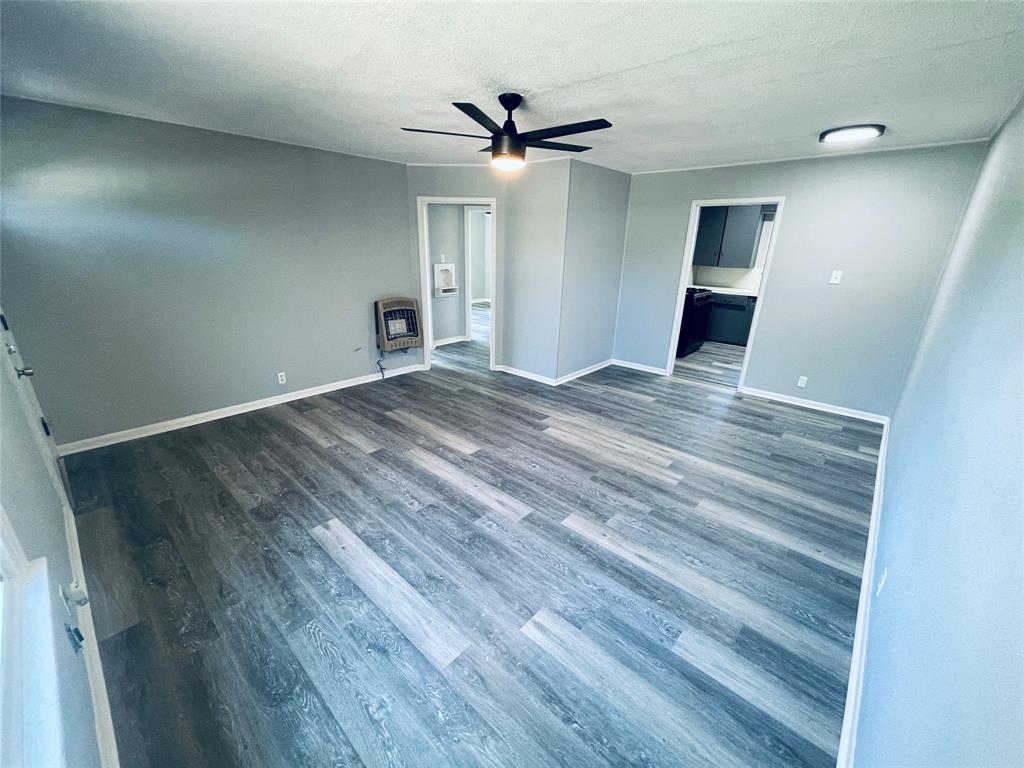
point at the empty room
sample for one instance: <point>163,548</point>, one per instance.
<point>512,384</point>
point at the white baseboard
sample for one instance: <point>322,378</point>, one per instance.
<point>642,367</point>
<point>524,374</point>
<point>198,418</point>
<point>582,372</point>
<point>839,410</point>
<point>855,685</point>
<point>449,340</point>
<point>548,379</point>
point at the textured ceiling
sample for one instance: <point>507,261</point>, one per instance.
<point>685,85</point>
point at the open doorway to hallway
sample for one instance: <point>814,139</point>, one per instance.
<point>459,286</point>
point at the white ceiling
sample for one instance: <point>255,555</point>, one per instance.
<point>685,85</point>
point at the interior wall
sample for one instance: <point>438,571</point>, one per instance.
<point>594,236</point>
<point>36,514</point>
<point>536,210</point>
<point>944,676</point>
<point>446,225</point>
<point>165,271</point>
<point>531,221</point>
<point>886,219</point>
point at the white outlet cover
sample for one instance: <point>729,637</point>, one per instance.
<point>837,277</point>
<point>801,382</point>
<point>281,377</point>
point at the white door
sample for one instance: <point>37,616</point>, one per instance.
<point>37,513</point>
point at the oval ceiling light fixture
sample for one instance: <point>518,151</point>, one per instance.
<point>850,133</point>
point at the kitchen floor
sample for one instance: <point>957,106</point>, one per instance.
<point>714,363</point>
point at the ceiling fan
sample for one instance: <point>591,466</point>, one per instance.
<point>508,146</point>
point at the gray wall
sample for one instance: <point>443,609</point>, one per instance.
<point>885,219</point>
<point>446,225</point>
<point>536,209</point>
<point>531,221</point>
<point>163,271</point>
<point>594,236</point>
<point>34,509</point>
<point>945,656</point>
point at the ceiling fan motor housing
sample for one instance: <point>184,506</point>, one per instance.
<point>507,144</point>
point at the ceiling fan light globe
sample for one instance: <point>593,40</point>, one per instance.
<point>507,163</point>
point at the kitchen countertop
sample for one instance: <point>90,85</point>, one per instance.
<point>729,291</point>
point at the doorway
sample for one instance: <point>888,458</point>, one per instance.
<point>458,272</point>
<point>727,257</point>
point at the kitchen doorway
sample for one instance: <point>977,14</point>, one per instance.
<point>458,272</point>
<point>726,261</point>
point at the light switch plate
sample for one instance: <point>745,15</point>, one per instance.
<point>837,277</point>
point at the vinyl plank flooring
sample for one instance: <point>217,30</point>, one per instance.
<point>465,568</point>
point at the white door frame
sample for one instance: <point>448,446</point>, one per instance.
<point>685,273</point>
<point>47,449</point>
<point>423,228</point>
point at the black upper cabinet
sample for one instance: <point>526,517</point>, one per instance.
<point>710,229</point>
<point>739,243</point>
<point>727,236</point>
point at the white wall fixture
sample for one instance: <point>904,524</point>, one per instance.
<point>446,282</point>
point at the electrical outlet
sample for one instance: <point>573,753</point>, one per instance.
<point>837,277</point>
<point>801,382</point>
<point>281,378</point>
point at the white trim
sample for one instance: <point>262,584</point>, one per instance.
<point>642,367</point>
<point>685,272</point>
<point>426,309</point>
<point>855,685</point>
<point>762,286</point>
<point>819,156</point>
<point>467,294</point>
<point>449,340</point>
<point>48,453</point>
<point>33,729</point>
<point>553,382</point>
<point>525,374</point>
<point>219,413</point>
<point>12,557</point>
<point>815,405</point>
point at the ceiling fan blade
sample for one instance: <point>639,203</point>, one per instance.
<point>475,113</point>
<point>565,130</point>
<point>446,133</point>
<point>557,145</point>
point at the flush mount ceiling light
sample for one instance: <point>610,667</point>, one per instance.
<point>851,133</point>
<point>508,146</point>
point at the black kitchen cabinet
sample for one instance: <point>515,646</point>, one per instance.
<point>727,236</point>
<point>730,318</point>
<point>710,230</point>
<point>739,242</point>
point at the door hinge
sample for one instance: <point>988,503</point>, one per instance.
<point>75,637</point>
<point>46,427</point>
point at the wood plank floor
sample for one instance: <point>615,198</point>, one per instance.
<point>465,568</point>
